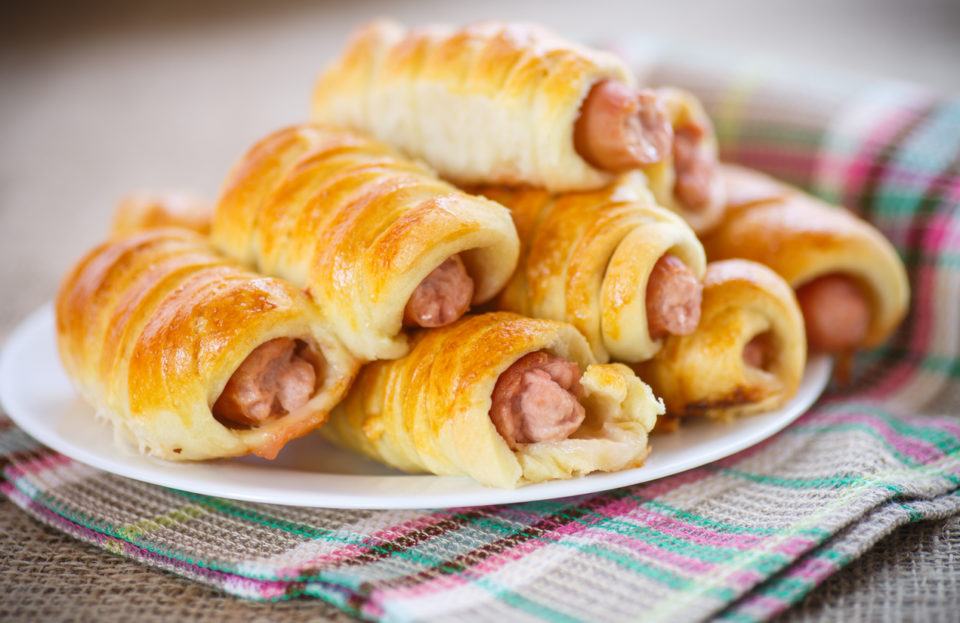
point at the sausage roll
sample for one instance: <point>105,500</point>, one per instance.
<point>376,239</point>
<point>495,103</point>
<point>746,356</point>
<point>690,181</point>
<point>849,280</point>
<point>504,399</point>
<point>192,357</point>
<point>619,268</point>
<point>148,210</point>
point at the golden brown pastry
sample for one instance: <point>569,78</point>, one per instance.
<point>504,399</point>
<point>495,103</point>
<point>746,356</point>
<point>850,282</point>
<point>192,357</point>
<point>689,182</point>
<point>149,210</point>
<point>619,268</point>
<point>374,238</point>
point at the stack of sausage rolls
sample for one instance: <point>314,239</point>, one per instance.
<point>488,253</point>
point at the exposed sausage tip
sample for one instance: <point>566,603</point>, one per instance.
<point>272,380</point>
<point>759,352</point>
<point>538,399</point>
<point>622,128</point>
<point>442,297</point>
<point>836,312</point>
<point>696,168</point>
<point>673,298</point>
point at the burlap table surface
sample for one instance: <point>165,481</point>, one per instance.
<point>54,577</point>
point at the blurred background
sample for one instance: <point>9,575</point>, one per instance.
<point>100,98</point>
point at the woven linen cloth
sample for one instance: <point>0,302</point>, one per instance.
<point>739,539</point>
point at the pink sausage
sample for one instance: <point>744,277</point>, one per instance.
<point>272,380</point>
<point>695,167</point>
<point>836,313</point>
<point>442,297</point>
<point>758,352</point>
<point>622,128</point>
<point>673,298</point>
<point>538,399</point>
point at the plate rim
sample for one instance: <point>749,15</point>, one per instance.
<point>816,373</point>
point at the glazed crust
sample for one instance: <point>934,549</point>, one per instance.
<point>586,259</point>
<point>151,327</point>
<point>430,410</point>
<point>705,373</point>
<point>490,103</point>
<point>359,227</point>
<point>686,110</point>
<point>802,238</point>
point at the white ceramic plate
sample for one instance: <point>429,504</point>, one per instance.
<point>311,472</point>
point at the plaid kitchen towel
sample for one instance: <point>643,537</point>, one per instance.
<point>740,539</point>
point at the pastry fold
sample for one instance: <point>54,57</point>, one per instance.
<point>586,258</point>
<point>151,327</point>
<point>802,238</point>
<point>430,410</point>
<point>706,372</point>
<point>666,178</point>
<point>489,103</point>
<point>358,226</point>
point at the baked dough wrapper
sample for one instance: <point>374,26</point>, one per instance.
<point>490,103</point>
<point>802,238</point>
<point>154,209</point>
<point>683,108</point>
<point>430,410</point>
<point>586,259</point>
<point>358,226</point>
<point>151,327</point>
<point>705,373</point>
